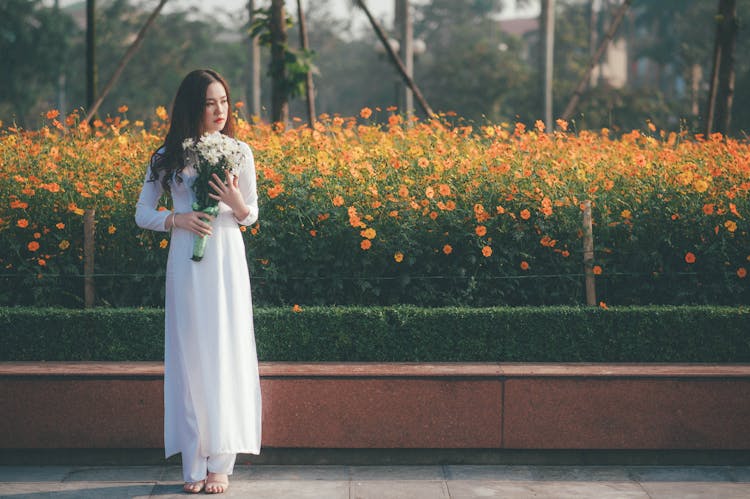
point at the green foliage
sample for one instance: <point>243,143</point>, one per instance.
<point>403,334</point>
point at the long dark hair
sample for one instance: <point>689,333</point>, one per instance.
<point>186,122</point>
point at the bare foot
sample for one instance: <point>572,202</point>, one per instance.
<point>217,483</point>
<point>194,487</point>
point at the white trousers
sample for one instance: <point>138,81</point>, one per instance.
<point>195,465</point>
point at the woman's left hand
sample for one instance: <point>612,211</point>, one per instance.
<point>229,193</point>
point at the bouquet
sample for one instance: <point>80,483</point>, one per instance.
<point>212,153</point>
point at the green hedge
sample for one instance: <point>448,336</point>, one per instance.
<point>528,334</point>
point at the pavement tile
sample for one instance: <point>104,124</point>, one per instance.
<point>117,474</point>
<point>473,489</point>
<point>488,472</point>
<point>399,489</point>
<point>289,489</point>
<point>696,490</point>
<point>680,473</point>
<point>301,472</point>
<point>365,473</point>
<point>34,473</point>
<point>580,474</point>
<point>76,490</point>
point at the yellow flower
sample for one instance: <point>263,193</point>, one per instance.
<point>700,185</point>
<point>626,214</point>
<point>64,244</point>
<point>161,112</point>
<point>398,256</point>
<point>163,243</point>
<point>730,225</point>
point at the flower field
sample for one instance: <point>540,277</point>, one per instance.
<point>357,212</point>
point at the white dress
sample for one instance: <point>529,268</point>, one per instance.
<point>212,394</point>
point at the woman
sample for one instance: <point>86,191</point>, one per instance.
<point>212,402</point>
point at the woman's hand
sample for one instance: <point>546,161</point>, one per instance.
<point>196,222</point>
<point>229,193</point>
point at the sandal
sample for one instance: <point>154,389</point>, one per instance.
<point>194,487</point>
<point>217,483</point>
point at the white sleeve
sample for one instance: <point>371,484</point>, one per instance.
<point>248,188</point>
<point>147,216</point>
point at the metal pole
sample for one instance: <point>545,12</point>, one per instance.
<point>406,50</point>
<point>549,52</point>
<point>253,82</point>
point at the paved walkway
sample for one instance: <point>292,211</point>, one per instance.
<point>382,482</point>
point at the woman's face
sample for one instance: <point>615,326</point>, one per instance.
<point>215,108</point>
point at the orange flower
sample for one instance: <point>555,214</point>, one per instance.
<point>429,192</point>
<point>42,262</point>
<point>487,251</point>
<point>403,191</point>
<point>444,190</point>
<point>366,112</point>
<point>603,305</point>
<point>163,243</point>
<point>64,244</point>
<point>597,270</point>
<point>689,257</point>
<point>733,210</point>
<point>398,256</point>
<point>296,309</point>
<point>365,244</point>
<point>33,246</point>
<point>626,214</point>
<point>313,232</point>
<point>37,235</point>
<point>730,225</point>
<point>447,249</point>
<point>23,223</point>
<point>565,253</point>
<point>52,114</point>
<point>239,104</point>
<point>423,162</point>
<point>481,230</point>
<point>19,204</point>
<point>111,229</point>
<point>368,233</point>
<point>338,201</point>
<point>122,109</point>
<point>524,265</point>
<point>525,214</point>
<point>742,272</point>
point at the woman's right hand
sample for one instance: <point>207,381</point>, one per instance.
<point>196,222</point>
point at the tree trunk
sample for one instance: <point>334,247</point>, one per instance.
<point>309,86</point>
<point>90,53</point>
<point>721,94</point>
<point>396,60</point>
<point>252,90</point>
<point>279,96</point>
<point>573,103</point>
<point>124,61</point>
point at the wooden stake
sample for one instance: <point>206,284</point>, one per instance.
<point>588,254</point>
<point>89,288</point>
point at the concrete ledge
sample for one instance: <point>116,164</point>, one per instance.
<point>103,405</point>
